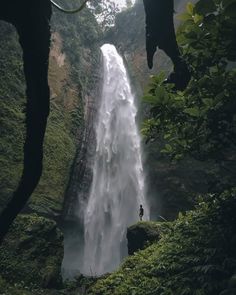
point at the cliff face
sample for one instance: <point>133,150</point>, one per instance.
<point>74,59</point>
<point>84,57</point>
<point>81,171</point>
<point>73,78</point>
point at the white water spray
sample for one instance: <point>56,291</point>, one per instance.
<point>118,183</point>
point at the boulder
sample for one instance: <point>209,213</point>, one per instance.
<point>143,233</point>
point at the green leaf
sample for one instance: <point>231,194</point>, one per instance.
<point>167,136</point>
<point>168,149</point>
<point>185,16</point>
<point>208,102</point>
<point>191,35</point>
<point>149,99</point>
<point>161,94</point>
<point>190,8</point>
<point>194,112</point>
<point>197,18</point>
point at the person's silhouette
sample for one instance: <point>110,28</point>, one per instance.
<point>141,212</point>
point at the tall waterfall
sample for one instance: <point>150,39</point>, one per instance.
<point>118,182</point>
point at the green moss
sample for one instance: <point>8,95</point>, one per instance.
<point>11,117</point>
<point>59,152</point>
<point>59,144</point>
<point>32,252</point>
<point>196,257</point>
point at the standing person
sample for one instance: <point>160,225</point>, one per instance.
<point>160,32</point>
<point>141,212</point>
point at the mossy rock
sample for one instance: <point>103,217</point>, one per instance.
<point>32,252</point>
<point>140,235</point>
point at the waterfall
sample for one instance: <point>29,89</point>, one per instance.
<point>117,188</point>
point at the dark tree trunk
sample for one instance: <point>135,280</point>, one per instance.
<point>31,19</point>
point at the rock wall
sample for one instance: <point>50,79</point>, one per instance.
<point>73,78</point>
<point>32,253</point>
<point>81,172</point>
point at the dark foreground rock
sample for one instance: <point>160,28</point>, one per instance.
<point>142,234</point>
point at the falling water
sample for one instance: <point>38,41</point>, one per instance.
<point>118,183</point>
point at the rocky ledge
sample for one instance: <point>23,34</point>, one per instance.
<point>141,234</point>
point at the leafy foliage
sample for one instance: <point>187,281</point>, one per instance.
<point>81,34</point>
<point>200,121</point>
<point>105,12</point>
<point>196,257</point>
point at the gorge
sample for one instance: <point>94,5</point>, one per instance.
<point>97,172</point>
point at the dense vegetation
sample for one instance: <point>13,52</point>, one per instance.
<point>196,128</point>
<point>200,122</point>
<point>196,257</point>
